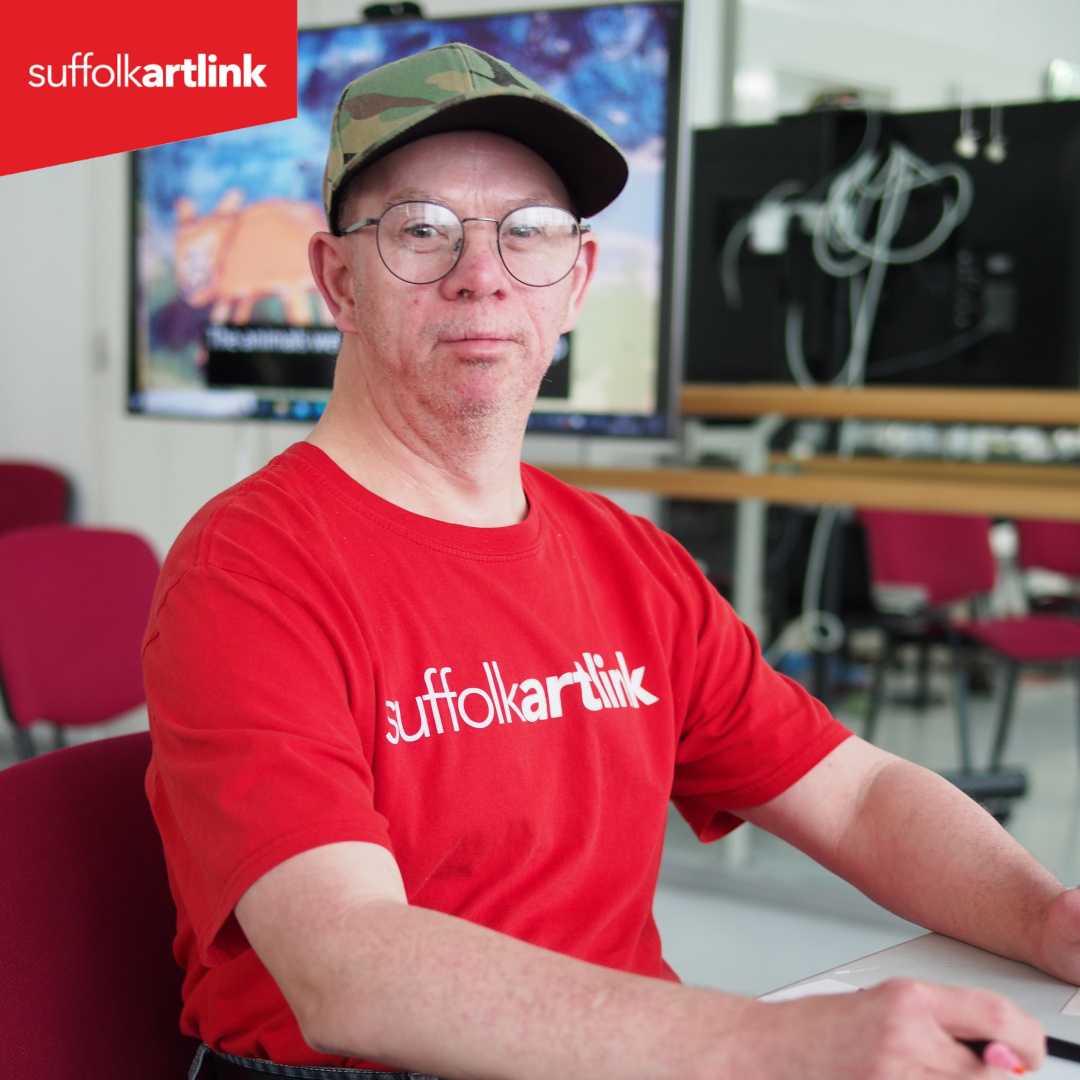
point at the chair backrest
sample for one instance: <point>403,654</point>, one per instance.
<point>31,495</point>
<point>74,603</point>
<point>89,987</point>
<point>1050,545</point>
<point>948,555</point>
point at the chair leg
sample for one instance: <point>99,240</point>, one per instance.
<point>1005,709</point>
<point>877,691</point>
<point>922,677</point>
<point>1078,690</point>
<point>963,713</point>
<point>821,678</point>
<point>24,744</point>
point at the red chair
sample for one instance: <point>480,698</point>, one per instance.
<point>31,495</point>
<point>90,988</point>
<point>922,563</point>
<point>1047,545</point>
<point>1050,545</point>
<point>73,608</point>
<point>949,558</point>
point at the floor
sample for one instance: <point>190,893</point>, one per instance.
<point>750,914</point>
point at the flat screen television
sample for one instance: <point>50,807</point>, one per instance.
<point>226,321</point>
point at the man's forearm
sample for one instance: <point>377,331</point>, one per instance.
<point>371,977</point>
<point>925,850</point>
<point>426,991</point>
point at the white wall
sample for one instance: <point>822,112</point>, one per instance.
<point>63,231</point>
<point>919,54</point>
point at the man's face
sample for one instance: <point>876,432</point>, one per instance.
<point>471,348</point>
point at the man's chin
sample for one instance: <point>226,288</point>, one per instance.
<point>472,410</point>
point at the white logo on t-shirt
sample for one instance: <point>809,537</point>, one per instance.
<point>443,708</point>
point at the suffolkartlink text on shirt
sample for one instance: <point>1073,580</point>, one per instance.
<point>445,708</point>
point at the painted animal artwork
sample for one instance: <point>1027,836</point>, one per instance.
<point>237,255</point>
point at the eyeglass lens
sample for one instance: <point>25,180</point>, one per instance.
<point>421,242</point>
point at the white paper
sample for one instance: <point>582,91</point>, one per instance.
<point>810,989</point>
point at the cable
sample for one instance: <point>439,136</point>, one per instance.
<point>853,238</point>
<point>785,547</point>
<point>844,246</point>
<point>823,630</point>
<point>729,255</point>
<point>933,355</point>
<point>853,234</point>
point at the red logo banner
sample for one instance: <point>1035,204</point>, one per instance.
<point>78,80</point>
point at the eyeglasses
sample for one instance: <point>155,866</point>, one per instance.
<point>421,242</point>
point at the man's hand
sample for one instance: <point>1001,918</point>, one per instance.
<point>901,1029</point>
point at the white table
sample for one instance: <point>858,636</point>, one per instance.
<point>943,959</point>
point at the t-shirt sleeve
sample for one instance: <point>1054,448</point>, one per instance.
<point>257,755</point>
<point>749,732</point>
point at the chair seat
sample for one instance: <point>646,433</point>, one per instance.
<point>1032,638</point>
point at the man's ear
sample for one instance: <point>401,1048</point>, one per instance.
<point>332,271</point>
<point>581,275</point>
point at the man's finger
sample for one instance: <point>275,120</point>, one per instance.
<point>978,1015</point>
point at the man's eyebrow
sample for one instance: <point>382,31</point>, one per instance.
<point>410,196</point>
<point>534,198</point>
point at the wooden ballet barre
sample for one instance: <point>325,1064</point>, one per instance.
<point>1005,472</point>
<point>1016,500</point>
<point>978,405</point>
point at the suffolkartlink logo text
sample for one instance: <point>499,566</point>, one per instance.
<point>440,711</point>
<point>204,71</point>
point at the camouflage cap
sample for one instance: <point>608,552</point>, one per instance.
<point>455,88</point>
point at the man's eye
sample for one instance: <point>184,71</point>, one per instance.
<point>421,232</point>
<point>523,232</point>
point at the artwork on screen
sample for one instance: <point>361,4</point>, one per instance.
<point>227,321</point>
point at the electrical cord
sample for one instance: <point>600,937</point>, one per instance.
<point>933,355</point>
<point>736,237</point>
<point>853,238</point>
<point>844,246</point>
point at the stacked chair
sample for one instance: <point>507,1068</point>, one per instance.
<point>948,558</point>
<point>1052,545</point>
<point>90,987</point>
<point>74,603</point>
<point>32,495</point>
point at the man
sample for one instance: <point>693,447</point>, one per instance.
<point>418,710</point>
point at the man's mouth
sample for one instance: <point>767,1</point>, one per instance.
<point>473,335</point>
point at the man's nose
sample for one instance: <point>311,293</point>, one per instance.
<point>479,269</point>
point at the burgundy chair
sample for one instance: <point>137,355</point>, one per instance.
<point>1052,545</point>
<point>73,608</point>
<point>1048,545</point>
<point>89,986</point>
<point>949,557</point>
<point>31,495</point>
<point>936,560</point>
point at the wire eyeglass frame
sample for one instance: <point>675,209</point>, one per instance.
<point>459,244</point>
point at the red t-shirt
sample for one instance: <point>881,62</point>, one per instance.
<point>508,711</point>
